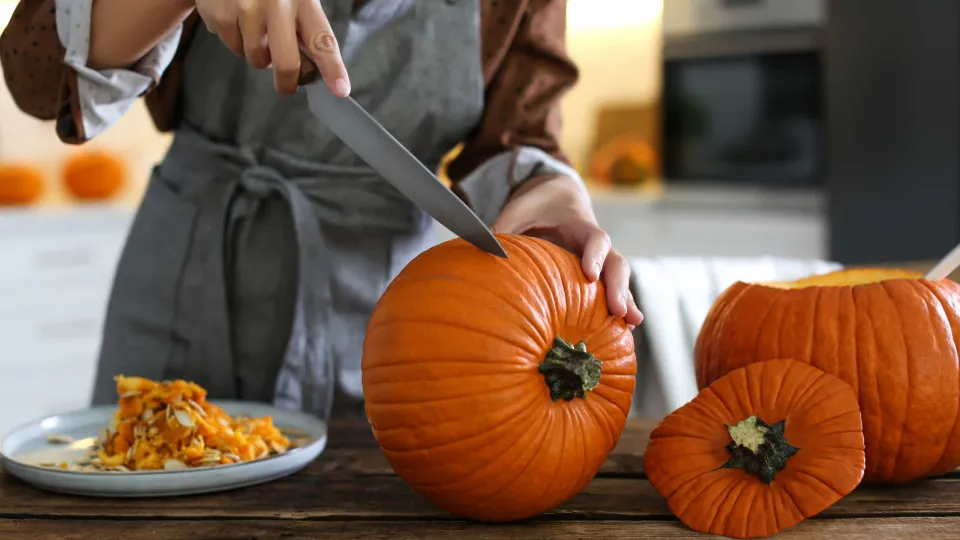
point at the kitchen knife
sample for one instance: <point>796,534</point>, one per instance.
<point>375,145</point>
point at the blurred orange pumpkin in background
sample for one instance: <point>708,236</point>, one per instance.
<point>20,184</point>
<point>94,175</point>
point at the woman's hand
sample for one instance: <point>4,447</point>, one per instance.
<point>557,209</point>
<point>270,32</point>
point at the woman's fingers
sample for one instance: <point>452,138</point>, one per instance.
<point>634,316</point>
<point>596,248</point>
<point>320,45</point>
<point>281,23</point>
<point>253,29</point>
<point>221,19</point>
<point>616,278</point>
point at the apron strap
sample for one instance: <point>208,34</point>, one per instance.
<point>306,378</point>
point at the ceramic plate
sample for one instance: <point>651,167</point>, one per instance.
<point>23,449</point>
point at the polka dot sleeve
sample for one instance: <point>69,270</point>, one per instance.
<point>527,70</point>
<point>105,95</point>
<point>31,54</point>
<point>44,51</point>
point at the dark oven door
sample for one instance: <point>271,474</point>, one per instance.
<point>742,104</point>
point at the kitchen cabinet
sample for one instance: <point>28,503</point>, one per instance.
<point>57,268</point>
<point>711,222</point>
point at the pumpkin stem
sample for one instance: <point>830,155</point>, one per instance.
<point>759,448</point>
<point>570,371</point>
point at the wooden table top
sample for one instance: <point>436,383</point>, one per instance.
<point>351,492</point>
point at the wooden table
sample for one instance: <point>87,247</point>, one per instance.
<point>351,492</point>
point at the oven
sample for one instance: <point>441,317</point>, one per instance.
<point>742,93</point>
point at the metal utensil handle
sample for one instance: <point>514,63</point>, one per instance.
<point>946,266</point>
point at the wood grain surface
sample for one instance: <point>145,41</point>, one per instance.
<point>351,492</point>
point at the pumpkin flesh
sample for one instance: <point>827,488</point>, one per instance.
<point>889,334</point>
<point>804,427</point>
<point>496,387</point>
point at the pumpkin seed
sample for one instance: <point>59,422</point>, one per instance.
<point>130,393</point>
<point>59,439</point>
<point>147,414</point>
<point>174,465</point>
<point>153,431</point>
<point>197,406</point>
<point>183,418</point>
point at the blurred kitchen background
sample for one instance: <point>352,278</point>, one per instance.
<point>764,136</point>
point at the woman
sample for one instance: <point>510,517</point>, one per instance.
<point>262,243</point>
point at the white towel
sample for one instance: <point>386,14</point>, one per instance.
<point>675,294</point>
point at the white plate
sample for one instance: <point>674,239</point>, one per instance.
<point>25,447</point>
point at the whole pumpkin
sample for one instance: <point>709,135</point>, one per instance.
<point>496,387</point>
<point>889,334</point>
<point>20,184</point>
<point>94,175</point>
<point>759,450</point>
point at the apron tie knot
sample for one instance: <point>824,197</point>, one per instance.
<point>260,181</point>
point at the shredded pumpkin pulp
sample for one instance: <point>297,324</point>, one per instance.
<point>170,425</point>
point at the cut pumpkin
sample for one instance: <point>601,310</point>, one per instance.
<point>759,450</point>
<point>889,334</point>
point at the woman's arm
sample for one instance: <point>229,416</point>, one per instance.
<point>519,133</point>
<point>124,31</point>
<point>45,52</point>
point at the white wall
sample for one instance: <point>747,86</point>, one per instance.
<point>617,46</point>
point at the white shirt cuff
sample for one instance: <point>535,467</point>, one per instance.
<point>488,187</point>
<point>106,95</point>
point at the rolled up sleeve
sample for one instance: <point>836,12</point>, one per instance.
<point>488,187</point>
<point>519,133</point>
<point>104,96</point>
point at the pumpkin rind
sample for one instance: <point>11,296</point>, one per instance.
<point>453,385</point>
<point>687,459</point>
<point>894,341</point>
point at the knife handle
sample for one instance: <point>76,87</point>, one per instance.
<point>309,72</point>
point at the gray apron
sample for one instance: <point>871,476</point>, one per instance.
<point>262,243</point>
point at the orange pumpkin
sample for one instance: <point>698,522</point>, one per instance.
<point>94,175</point>
<point>496,387</point>
<point>20,184</point>
<point>889,334</point>
<point>759,450</point>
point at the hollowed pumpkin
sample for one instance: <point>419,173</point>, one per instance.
<point>20,184</point>
<point>891,335</point>
<point>496,387</point>
<point>94,175</point>
<point>759,450</point>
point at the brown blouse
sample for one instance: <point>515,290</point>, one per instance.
<point>525,65</point>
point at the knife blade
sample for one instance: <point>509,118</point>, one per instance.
<point>376,146</point>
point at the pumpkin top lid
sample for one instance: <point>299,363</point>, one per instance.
<point>759,450</point>
<point>848,277</point>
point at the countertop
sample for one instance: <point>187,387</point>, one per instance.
<point>351,492</point>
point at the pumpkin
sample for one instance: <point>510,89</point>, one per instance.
<point>889,334</point>
<point>94,175</point>
<point>496,387</point>
<point>759,450</point>
<point>20,184</point>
